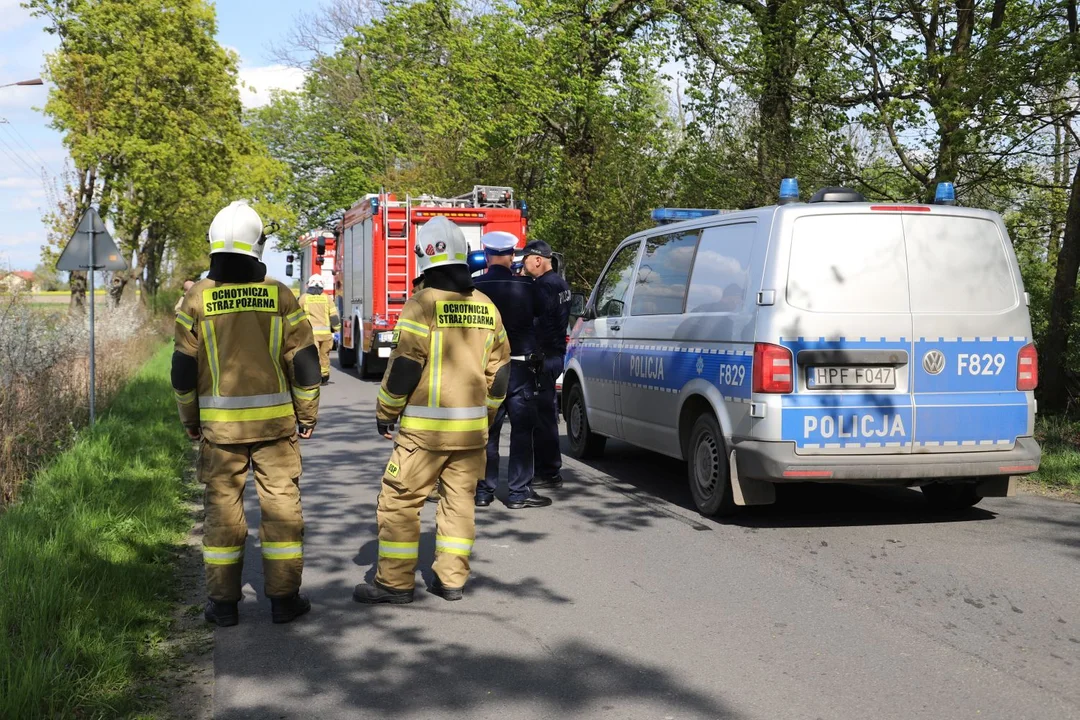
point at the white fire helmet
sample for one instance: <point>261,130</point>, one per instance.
<point>440,242</point>
<point>237,229</point>
<point>316,281</point>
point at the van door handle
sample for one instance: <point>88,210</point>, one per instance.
<point>614,326</point>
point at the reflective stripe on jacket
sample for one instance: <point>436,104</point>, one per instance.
<point>460,342</point>
<point>323,314</point>
<point>248,339</point>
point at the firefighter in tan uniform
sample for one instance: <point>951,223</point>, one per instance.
<point>445,380</point>
<point>246,376</point>
<point>325,321</point>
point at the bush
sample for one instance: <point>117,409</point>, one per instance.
<point>44,377</point>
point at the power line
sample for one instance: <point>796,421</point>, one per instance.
<point>16,158</point>
<point>11,127</point>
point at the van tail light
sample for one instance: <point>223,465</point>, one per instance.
<point>773,371</point>
<point>1027,369</point>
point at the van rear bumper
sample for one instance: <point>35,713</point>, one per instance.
<point>777,462</point>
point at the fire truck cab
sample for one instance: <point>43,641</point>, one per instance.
<point>375,262</point>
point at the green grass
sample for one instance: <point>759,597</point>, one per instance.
<point>86,556</point>
<point>1060,441</point>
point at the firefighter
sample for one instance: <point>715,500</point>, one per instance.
<point>515,297</point>
<point>325,321</point>
<point>552,319</point>
<point>246,376</point>
<point>446,377</point>
<point>188,284</point>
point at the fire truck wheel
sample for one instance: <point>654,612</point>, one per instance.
<point>347,356</point>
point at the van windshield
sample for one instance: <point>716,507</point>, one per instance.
<point>848,263</point>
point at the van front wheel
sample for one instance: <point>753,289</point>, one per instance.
<point>584,443</point>
<point>707,468</point>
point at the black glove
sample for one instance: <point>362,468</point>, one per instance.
<point>384,428</point>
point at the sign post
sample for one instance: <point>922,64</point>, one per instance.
<point>91,244</point>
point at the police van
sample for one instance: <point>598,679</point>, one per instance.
<point>830,341</point>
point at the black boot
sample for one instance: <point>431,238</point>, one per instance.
<point>446,593</point>
<point>284,610</point>
<point>325,379</point>
<point>376,592</point>
<point>550,483</point>
<point>221,613</point>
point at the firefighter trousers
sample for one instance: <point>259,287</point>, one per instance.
<point>325,345</point>
<point>223,469</point>
<point>407,481</point>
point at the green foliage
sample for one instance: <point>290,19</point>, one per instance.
<point>149,107</point>
<point>86,576</point>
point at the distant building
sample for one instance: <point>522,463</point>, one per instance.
<point>18,281</point>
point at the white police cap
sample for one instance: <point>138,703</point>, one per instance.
<point>499,242</point>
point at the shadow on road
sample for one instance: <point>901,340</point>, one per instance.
<point>643,475</point>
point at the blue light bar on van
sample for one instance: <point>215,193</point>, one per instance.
<point>945,194</point>
<point>662,216</point>
<point>477,261</point>
<point>789,191</point>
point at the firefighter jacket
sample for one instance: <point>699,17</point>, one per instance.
<point>245,368</point>
<point>322,311</point>
<point>449,371</point>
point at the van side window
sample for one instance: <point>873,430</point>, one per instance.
<point>662,274</point>
<point>722,269</point>
<point>611,292</point>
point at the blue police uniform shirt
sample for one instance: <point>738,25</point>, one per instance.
<point>553,313</point>
<point>515,297</point>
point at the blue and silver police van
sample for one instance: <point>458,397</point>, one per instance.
<point>829,341</point>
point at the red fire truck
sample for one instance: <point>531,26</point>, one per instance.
<point>375,263</point>
<point>317,255</point>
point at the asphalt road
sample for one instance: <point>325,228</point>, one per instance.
<point>620,601</point>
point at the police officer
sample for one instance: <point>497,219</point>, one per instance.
<point>446,376</point>
<point>246,376</point>
<point>515,297</point>
<point>325,321</point>
<point>552,318</point>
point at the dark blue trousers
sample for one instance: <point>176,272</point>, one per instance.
<point>547,455</point>
<point>520,407</point>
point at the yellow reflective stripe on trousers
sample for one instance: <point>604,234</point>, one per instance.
<point>390,400</point>
<point>453,545</point>
<point>302,394</point>
<point>282,550</point>
<point>277,338</point>
<point>246,414</point>
<point>295,318</point>
<point>185,398</point>
<point>223,555</point>
<point>435,369</point>
<point>413,327</point>
<point>185,320</point>
<point>406,550</point>
<point>210,342</point>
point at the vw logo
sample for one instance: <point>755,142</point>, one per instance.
<point>933,362</point>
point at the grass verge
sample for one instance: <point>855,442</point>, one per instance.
<point>1060,441</point>
<point>86,562</point>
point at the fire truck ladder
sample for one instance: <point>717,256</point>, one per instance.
<point>397,282</point>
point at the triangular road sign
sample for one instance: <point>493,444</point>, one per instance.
<point>76,255</point>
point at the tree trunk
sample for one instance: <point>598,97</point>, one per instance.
<point>1054,353</point>
<point>778,36</point>
<point>77,304</point>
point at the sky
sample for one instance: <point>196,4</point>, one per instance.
<point>27,144</point>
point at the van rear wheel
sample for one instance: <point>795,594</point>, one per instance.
<point>584,443</point>
<point>707,468</point>
<point>951,497</point>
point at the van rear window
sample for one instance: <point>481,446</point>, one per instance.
<point>958,264</point>
<point>848,263</point>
